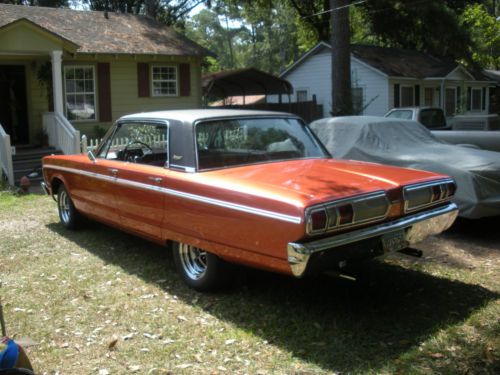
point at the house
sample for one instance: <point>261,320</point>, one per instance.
<point>65,72</point>
<point>384,78</point>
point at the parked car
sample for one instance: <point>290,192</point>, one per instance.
<point>432,118</point>
<point>408,144</point>
<point>249,187</point>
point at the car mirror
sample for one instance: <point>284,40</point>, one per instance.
<point>91,156</point>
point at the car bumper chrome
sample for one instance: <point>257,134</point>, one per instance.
<point>416,228</point>
<point>45,188</point>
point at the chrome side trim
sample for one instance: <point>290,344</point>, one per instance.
<point>180,194</point>
<point>417,226</point>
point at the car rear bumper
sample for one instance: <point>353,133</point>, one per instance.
<point>414,228</point>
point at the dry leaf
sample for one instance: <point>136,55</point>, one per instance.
<point>436,355</point>
<point>185,365</point>
<point>182,317</point>
<point>230,341</point>
<point>134,368</point>
<point>112,344</point>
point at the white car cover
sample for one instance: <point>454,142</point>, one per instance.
<point>408,144</point>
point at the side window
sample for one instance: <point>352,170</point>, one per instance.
<point>137,142</point>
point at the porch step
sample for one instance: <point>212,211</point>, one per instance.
<point>29,160</point>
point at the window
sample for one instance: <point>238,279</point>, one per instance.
<point>476,99</point>
<point>357,100</point>
<point>450,101</point>
<point>79,84</point>
<point>164,80</point>
<point>403,114</point>
<point>142,143</point>
<point>301,96</point>
<point>429,96</point>
<point>407,96</point>
<point>225,143</point>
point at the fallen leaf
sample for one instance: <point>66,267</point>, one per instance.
<point>134,368</point>
<point>183,366</point>
<point>127,336</point>
<point>112,344</point>
<point>103,371</point>
<point>182,317</point>
<point>436,355</point>
<point>230,341</point>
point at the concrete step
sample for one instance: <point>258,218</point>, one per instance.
<point>34,153</point>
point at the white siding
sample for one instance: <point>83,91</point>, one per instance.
<point>375,88</point>
<point>314,75</point>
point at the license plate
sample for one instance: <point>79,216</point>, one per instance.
<point>394,241</point>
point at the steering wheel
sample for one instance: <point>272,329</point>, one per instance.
<point>130,156</point>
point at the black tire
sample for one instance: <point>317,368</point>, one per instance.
<point>199,269</point>
<point>68,214</point>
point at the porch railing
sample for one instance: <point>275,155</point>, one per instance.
<point>61,133</point>
<point>6,156</point>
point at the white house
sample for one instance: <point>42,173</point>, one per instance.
<point>384,78</point>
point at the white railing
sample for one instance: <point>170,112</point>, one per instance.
<point>6,156</point>
<point>61,133</point>
<point>156,141</point>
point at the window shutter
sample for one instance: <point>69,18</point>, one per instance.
<point>469,98</point>
<point>185,80</point>
<point>459,98</point>
<point>104,91</point>
<point>417,95</point>
<point>143,80</point>
<point>396,96</point>
<point>484,98</point>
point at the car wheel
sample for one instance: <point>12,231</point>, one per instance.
<point>200,269</point>
<point>68,214</point>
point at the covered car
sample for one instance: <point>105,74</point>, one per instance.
<point>407,143</point>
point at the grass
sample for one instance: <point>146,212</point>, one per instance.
<point>101,301</point>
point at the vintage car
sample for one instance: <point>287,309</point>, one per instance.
<point>254,188</point>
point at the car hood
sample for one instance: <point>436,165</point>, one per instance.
<point>311,181</point>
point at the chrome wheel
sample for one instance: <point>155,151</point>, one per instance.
<point>193,261</point>
<point>64,206</point>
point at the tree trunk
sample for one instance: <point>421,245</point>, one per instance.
<point>341,59</point>
<point>151,8</point>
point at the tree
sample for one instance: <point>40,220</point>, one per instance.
<point>341,58</point>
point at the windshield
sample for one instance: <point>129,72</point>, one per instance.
<point>225,143</point>
<point>400,113</point>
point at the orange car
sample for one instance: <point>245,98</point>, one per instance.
<point>249,187</point>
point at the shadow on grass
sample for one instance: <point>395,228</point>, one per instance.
<point>338,324</point>
<point>483,232</point>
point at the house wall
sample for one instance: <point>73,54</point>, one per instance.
<point>124,87</point>
<point>314,75</point>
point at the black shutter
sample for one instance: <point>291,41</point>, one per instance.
<point>184,80</point>
<point>143,80</point>
<point>484,98</point>
<point>104,91</point>
<point>469,98</point>
<point>459,98</point>
<point>396,96</point>
<point>417,95</point>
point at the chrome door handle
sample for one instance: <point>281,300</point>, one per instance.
<point>156,179</point>
<point>113,171</point>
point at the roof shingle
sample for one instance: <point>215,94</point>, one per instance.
<point>94,33</point>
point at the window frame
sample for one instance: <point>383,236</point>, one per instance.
<point>472,89</point>
<point>301,90</point>
<point>152,80</point>
<point>94,80</point>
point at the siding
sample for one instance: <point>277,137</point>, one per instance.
<point>314,75</point>
<point>124,90</point>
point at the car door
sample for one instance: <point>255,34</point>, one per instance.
<point>137,156</point>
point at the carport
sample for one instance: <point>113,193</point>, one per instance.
<point>243,82</point>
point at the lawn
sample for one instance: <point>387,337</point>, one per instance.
<point>98,301</point>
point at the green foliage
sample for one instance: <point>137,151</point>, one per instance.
<point>485,32</point>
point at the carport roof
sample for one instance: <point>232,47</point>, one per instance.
<point>242,82</point>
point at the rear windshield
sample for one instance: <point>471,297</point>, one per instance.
<point>432,118</point>
<point>227,143</point>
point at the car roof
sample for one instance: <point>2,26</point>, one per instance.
<point>192,115</point>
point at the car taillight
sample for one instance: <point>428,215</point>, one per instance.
<point>451,189</point>
<point>419,196</point>
<point>317,221</point>
<point>346,214</point>
<point>436,193</point>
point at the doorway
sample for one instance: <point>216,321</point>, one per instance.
<point>13,103</point>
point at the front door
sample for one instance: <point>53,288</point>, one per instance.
<point>13,103</point>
